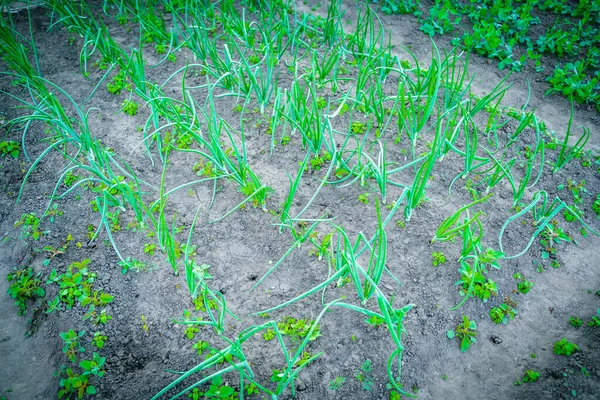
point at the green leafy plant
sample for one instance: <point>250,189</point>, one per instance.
<point>72,345</point>
<point>130,107</point>
<point>375,321</point>
<point>337,383</point>
<point>564,347</point>
<point>10,148</point>
<point>364,198</point>
<point>466,332</point>
<point>269,334</point>
<point>523,285</point>
<point>442,18</point>
<point>149,248</point>
<point>99,339</point>
<point>297,329</point>
<point>575,322</point>
<point>30,224</point>
<point>595,321</point>
<point>25,285</point>
<point>218,390</point>
<point>438,258</point>
<point>503,313</point>
<point>529,376</point>
<point>365,375</point>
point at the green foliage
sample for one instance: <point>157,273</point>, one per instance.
<point>358,128</point>
<point>442,18</point>
<point>375,321</point>
<point>364,198</point>
<point>466,332</point>
<point>595,321</point>
<point>30,226</point>
<point>201,346</point>
<point>564,347</point>
<point>118,83</point>
<point>530,376</point>
<point>269,334</point>
<point>523,285</point>
<point>365,375</point>
<point>10,148</point>
<point>575,322</point>
<point>438,258</point>
<point>297,329</point>
<point>572,80</point>
<point>149,248</point>
<point>70,179</point>
<point>337,383</point>
<point>130,107</point>
<point>596,206</point>
<point>503,313</point>
<point>72,345</point>
<point>400,6</point>
<point>25,285</point>
<point>99,340</point>
<point>474,283</point>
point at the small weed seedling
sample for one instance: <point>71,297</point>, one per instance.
<point>337,383</point>
<point>575,322</point>
<point>72,345</point>
<point>438,258</point>
<point>564,347</point>
<point>297,329</point>
<point>365,375</point>
<point>523,286</point>
<point>31,226</point>
<point>466,332</point>
<point>529,376</point>
<point>364,198</point>
<point>10,148</point>
<point>99,340</point>
<point>595,321</point>
<point>504,312</point>
<point>130,107</point>
<point>375,321</point>
<point>25,285</point>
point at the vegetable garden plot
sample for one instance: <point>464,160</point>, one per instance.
<point>239,200</point>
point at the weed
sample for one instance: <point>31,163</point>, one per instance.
<point>130,107</point>
<point>364,198</point>
<point>365,375</point>
<point>375,321</point>
<point>10,148</point>
<point>75,285</point>
<point>438,258</point>
<point>529,376</point>
<point>575,322</point>
<point>523,286</point>
<point>25,285</point>
<point>31,225</point>
<point>564,347</point>
<point>503,313</point>
<point>144,324</point>
<point>269,334</point>
<point>132,263</point>
<point>149,248</point>
<point>297,329</point>
<point>337,383</point>
<point>99,340</point>
<point>466,332</point>
<point>595,321</point>
<point>358,128</point>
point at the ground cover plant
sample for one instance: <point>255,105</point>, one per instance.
<point>270,199</point>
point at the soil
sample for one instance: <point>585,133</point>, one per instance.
<point>145,344</point>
